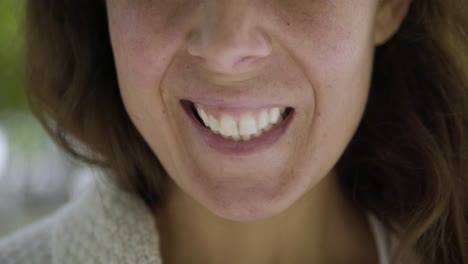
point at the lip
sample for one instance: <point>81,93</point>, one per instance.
<point>233,101</point>
<point>231,147</point>
<point>237,112</point>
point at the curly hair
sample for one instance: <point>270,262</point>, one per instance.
<point>407,162</point>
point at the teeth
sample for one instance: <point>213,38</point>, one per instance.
<point>228,126</point>
<point>246,137</point>
<point>263,119</point>
<point>249,126</point>
<point>202,115</point>
<point>274,115</point>
<point>214,124</point>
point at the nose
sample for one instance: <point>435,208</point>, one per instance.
<point>227,38</point>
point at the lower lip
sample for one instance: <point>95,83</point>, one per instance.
<point>240,147</point>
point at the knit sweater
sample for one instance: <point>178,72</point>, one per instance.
<point>106,225</point>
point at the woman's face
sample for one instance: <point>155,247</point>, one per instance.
<point>241,62</point>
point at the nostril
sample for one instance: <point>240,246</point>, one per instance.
<point>246,61</point>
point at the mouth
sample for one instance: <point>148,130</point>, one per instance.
<point>238,131</point>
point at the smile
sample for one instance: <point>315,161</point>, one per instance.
<point>238,131</point>
<point>248,126</point>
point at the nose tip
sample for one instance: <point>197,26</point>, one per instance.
<point>239,52</point>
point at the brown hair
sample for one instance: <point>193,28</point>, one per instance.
<point>407,163</point>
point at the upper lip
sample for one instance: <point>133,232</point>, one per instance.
<point>237,102</point>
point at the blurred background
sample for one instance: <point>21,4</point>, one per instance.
<point>35,177</point>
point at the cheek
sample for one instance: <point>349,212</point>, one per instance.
<point>138,62</point>
<point>335,52</point>
<point>143,49</point>
<point>139,75</point>
<point>143,37</point>
<point>328,34</point>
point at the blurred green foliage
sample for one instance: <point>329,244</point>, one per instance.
<point>12,77</point>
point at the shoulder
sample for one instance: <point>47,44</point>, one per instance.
<point>99,225</point>
<point>49,238</point>
<point>29,245</point>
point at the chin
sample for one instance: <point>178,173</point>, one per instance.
<point>247,204</point>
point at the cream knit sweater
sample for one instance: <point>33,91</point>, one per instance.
<point>105,225</point>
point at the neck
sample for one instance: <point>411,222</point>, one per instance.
<point>322,226</point>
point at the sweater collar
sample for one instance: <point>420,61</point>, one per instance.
<point>105,225</point>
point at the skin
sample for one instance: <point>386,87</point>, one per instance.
<point>282,204</point>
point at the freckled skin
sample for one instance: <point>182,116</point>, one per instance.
<point>320,64</point>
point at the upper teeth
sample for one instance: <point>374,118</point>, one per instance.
<point>246,127</point>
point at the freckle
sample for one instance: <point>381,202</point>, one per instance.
<point>288,23</point>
